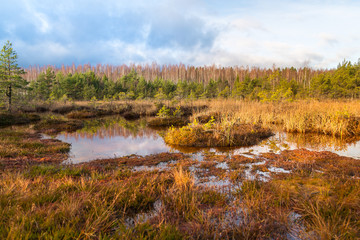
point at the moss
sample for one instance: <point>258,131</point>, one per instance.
<point>64,109</point>
<point>24,143</point>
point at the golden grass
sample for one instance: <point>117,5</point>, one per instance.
<point>329,206</point>
<point>338,118</point>
<point>182,198</point>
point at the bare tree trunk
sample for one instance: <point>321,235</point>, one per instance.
<point>8,94</point>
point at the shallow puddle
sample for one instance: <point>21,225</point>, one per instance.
<point>115,137</point>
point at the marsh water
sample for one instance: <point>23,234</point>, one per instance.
<point>115,137</point>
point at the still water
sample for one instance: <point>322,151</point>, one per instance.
<point>115,137</point>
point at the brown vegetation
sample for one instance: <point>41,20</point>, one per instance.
<point>22,147</point>
<point>134,160</point>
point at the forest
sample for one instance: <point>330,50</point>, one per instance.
<point>168,82</point>
<point>178,82</point>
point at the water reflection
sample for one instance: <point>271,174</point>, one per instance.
<point>322,142</point>
<point>114,136</point>
<point>110,137</point>
<point>112,127</point>
<point>289,141</point>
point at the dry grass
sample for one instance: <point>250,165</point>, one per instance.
<point>338,118</point>
<point>182,199</point>
<point>87,202</point>
<point>72,204</point>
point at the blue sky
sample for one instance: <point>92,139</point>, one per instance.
<point>259,33</point>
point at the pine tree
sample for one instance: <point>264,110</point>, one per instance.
<point>10,73</point>
<point>160,95</point>
<point>44,84</point>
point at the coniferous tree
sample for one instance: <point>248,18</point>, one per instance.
<point>44,84</point>
<point>10,73</point>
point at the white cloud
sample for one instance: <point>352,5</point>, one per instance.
<point>193,32</point>
<point>39,19</point>
<point>49,51</point>
<point>328,38</point>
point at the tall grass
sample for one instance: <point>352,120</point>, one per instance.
<point>329,207</point>
<point>338,118</point>
<point>183,198</point>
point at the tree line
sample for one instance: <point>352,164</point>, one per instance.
<point>176,72</point>
<point>343,82</point>
<point>149,82</point>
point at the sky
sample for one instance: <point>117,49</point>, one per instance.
<point>260,33</point>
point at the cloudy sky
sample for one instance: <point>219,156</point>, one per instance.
<point>261,33</point>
